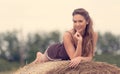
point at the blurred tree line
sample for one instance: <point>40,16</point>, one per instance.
<point>13,46</point>
<point>108,43</point>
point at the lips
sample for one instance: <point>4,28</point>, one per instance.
<point>78,28</point>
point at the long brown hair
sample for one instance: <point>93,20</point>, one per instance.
<point>87,44</point>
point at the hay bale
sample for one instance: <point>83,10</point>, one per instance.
<point>61,67</point>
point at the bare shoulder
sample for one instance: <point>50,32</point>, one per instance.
<point>67,34</point>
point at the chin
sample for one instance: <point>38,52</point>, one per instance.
<point>80,30</point>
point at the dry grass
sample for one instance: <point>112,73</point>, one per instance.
<point>61,67</point>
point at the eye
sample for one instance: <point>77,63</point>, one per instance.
<point>74,21</point>
<point>80,21</point>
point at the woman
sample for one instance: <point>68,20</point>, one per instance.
<point>78,43</point>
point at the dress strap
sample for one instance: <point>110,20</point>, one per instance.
<point>71,37</point>
<point>70,34</point>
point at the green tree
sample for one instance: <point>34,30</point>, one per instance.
<point>40,42</point>
<point>9,46</point>
<point>108,42</point>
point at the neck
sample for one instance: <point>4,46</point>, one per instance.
<point>82,33</point>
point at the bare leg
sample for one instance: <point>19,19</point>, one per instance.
<point>40,58</point>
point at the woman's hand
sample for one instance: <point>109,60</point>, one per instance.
<point>75,62</point>
<point>78,36</point>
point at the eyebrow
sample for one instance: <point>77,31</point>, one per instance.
<point>77,20</point>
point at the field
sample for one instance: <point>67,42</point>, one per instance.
<point>8,67</point>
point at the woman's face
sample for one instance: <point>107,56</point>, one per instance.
<point>79,23</point>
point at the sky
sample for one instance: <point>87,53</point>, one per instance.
<point>32,16</point>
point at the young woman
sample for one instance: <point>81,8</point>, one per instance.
<point>78,43</point>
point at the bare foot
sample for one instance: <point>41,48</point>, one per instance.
<point>38,58</point>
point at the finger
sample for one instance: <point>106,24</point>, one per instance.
<point>73,64</point>
<point>77,64</point>
<point>70,64</point>
<point>76,30</point>
<point>78,35</point>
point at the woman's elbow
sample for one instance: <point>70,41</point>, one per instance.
<point>90,59</point>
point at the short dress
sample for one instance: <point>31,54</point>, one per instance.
<point>57,52</point>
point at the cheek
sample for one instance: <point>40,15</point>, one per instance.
<point>83,24</point>
<point>75,26</point>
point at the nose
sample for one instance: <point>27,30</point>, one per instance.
<point>77,24</point>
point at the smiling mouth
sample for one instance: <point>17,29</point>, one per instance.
<point>79,28</point>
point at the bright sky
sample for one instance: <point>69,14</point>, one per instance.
<point>49,15</point>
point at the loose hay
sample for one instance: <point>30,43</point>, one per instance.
<point>61,67</point>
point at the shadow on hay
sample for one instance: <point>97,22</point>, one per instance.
<point>87,68</point>
<point>61,67</point>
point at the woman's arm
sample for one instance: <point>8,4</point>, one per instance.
<point>69,46</point>
<point>78,51</point>
<point>74,62</point>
